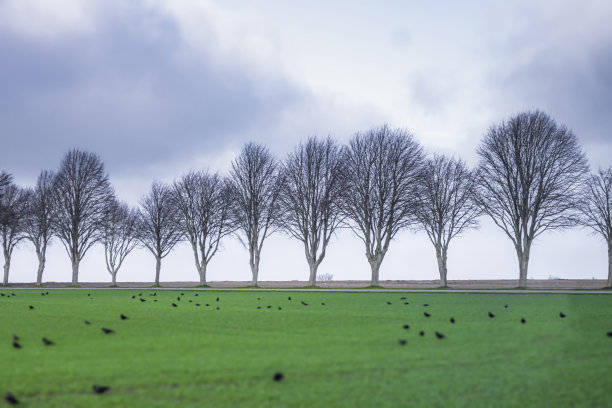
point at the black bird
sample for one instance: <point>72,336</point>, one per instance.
<point>425,304</point>
<point>304,303</point>
<point>421,333</point>
<point>155,294</point>
<point>258,299</point>
<point>523,320</point>
<point>207,305</point>
<point>123,317</point>
<point>197,304</point>
<point>440,335</point>
<point>402,342</point>
<point>1,294</point>
<point>42,294</point>
<point>190,301</point>
<point>31,307</point>
<point>143,300</point>
<point>388,302</point>
<point>46,293</point>
<point>182,294</point>
<point>491,315</point>
<point>406,326</point>
<point>47,341</point>
<point>403,298</point>
<point>89,294</point>
<point>195,294</point>
<point>100,389</point>
<point>289,298</point>
<point>12,294</point>
<point>107,331</point>
<point>609,334</point>
<point>174,305</point>
<point>269,307</point>
<point>406,303</point>
<point>86,322</point>
<point>561,315</point>
<point>280,308</point>
<point>155,300</point>
<point>278,377</point>
<point>217,299</point>
<point>134,297</point>
<point>16,345</point>
<point>322,303</point>
<point>506,306</point>
<point>11,399</point>
<point>15,337</point>
<point>259,307</point>
<point>140,294</point>
<point>178,298</point>
<point>452,320</point>
<point>426,314</point>
<point>217,307</point>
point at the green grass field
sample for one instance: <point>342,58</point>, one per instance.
<point>345,353</point>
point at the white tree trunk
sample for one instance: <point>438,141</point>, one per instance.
<point>375,262</point>
<point>75,272</point>
<point>441,257</point>
<point>313,266</point>
<point>7,266</point>
<point>254,262</point>
<point>202,271</point>
<point>609,264</point>
<point>523,258</point>
<point>114,278</point>
<point>157,269</point>
<point>41,267</point>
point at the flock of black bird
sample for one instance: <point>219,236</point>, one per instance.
<point>277,377</point>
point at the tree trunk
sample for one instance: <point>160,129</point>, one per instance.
<point>441,256</point>
<point>523,258</point>
<point>114,276</point>
<point>41,267</point>
<point>157,269</point>
<point>609,264</point>
<point>375,265</point>
<point>7,266</point>
<point>312,264</point>
<point>75,272</point>
<point>254,266</point>
<point>202,271</point>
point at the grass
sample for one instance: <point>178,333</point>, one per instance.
<point>345,353</point>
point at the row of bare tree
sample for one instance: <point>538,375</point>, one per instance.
<point>532,177</point>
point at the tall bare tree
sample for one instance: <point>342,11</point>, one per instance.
<point>446,205</point>
<point>529,178</point>
<point>383,168</point>
<point>119,235</point>
<point>81,193</point>
<point>310,197</point>
<point>13,213</point>
<point>158,228</point>
<point>597,209</point>
<point>202,201</point>
<point>255,185</point>
<point>39,219</point>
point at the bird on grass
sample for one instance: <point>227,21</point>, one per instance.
<point>406,326</point>
<point>190,301</point>
<point>523,320</point>
<point>280,308</point>
<point>47,342</point>
<point>15,337</point>
<point>197,304</point>
<point>100,389</point>
<point>89,294</point>
<point>491,315</point>
<point>217,299</point>
<point>609,334</point>
<point>278,377</point>
<point>440,335</point>
<point>31,307</point>
<point>388,302</point>
<point>289,298</point>
<point>178,298</point>
<point>259,307</point>
<point>506,306</point>
<point>140,294</point>
<point>16,345</point>
<point>322,303</point>
<point>134,297</point>
<point>304,303</point>
<point>10,398</point>
<point>258,298</point>
<point>269,307</point>
<point>42,294</point>
<point>86,322</point>
<point>1,294</point>
<point>195,294</point>
<point>207,305</point>
<point>107,331</point>
<point>452,320</point>
<point>123,317</point>
<point>182,294</point>
<point>425,304</point>
<point>46,293</point>
<point>402,342</point>
<point>217,307</point>
<point>561,315</point>
<point>421,333</point>
<point>142,300</point>
<point>426,314</point>
<point>406,303</point>
<point>403,298</point>
<point>174,305</point>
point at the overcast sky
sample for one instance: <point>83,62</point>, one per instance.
<point>158,88</point>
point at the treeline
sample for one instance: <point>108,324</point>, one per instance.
<point>532,177</point>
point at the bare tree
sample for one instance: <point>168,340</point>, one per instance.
<point>597,209</point>
<point>383,169</point>
<point>158,229</point>
<point>119,235</point>
<point>310,197</point>
<point>529,178</point>
<point>13,212</point>
<point>81,192</point>
<point>446,205</point>
<point>39,219</point>
<point>202,201</point>
<point>255,185</point>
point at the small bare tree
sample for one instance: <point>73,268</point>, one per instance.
<point>597,209</point>
<point>255,185</point>
<point>310,197</point>
<point>13,213</point>
<point>81,193</point>
<point>119,230</point>
<point>383,169</point>
<point>38,223</point>
<point>530,175</point>
<point>158,229</point>
<point>446,205</point>
<point>202,201</point>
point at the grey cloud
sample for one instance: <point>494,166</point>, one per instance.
<point>130,96</point>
